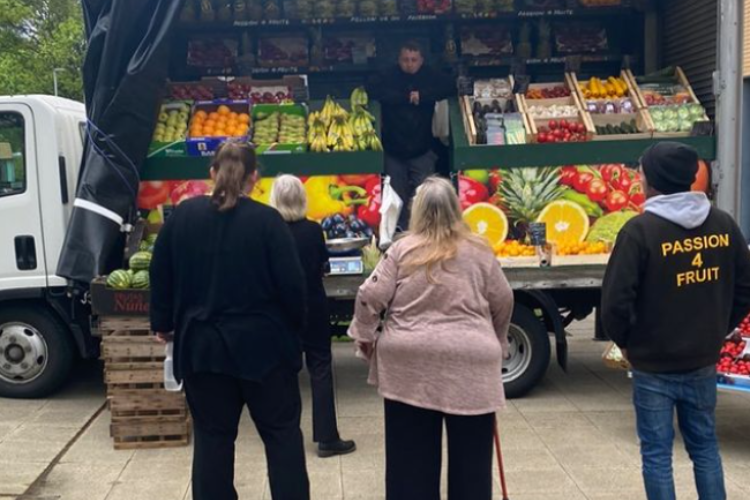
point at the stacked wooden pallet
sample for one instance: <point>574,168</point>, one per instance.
<point>144,414</point>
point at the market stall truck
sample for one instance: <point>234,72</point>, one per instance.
<point>45,324</point>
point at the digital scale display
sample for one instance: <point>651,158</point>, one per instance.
<point>342,266</point>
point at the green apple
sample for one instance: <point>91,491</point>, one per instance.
<point>482,176</point>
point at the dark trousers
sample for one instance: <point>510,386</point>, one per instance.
<point>216,403</point>
<point>406,176</point>
<point>413,439</point>
<point>319,360</point>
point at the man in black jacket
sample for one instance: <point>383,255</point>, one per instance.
<point>408,93</point>
<point>677,283</point>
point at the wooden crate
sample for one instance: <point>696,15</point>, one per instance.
<point>144,414</point>
<point>164,432</point>
<point>626,75</point>
<point>642,120</point>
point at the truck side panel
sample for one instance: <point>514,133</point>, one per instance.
<point>22,262</point>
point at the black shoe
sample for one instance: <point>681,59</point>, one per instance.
<point>333,448</point>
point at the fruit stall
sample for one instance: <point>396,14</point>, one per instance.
<point>556,100</point>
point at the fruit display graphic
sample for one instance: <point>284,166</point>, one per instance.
<point>582,207</point>
<point>348,206</point>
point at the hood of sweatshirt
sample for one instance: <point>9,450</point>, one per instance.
<point>688,209</point>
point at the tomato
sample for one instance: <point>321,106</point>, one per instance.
<point>637,197</point>
<point>564,123</point>
<point>553,124</point>
<point>622,183</point>
<point>151,194</point>
<point>596,190</point>
<point>582,181</point>
<point>568,176</point>
<point>610,172</point>
<point>616,201</point>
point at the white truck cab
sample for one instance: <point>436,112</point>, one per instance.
<point>41,327</point>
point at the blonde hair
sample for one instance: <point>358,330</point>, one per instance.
<point>233,166</point>
<point>288,196</point>
<point>437,223</point>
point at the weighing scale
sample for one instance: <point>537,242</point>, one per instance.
<point>346,266</point>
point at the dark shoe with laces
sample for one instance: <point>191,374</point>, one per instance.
<point>333,448</point>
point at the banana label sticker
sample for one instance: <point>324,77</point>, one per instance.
<point>696,246</point>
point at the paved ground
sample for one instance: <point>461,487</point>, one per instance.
<point>573,439</point>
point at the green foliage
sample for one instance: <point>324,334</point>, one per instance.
<point>37,36</point>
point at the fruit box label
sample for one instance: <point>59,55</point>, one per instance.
<point>106,301</point>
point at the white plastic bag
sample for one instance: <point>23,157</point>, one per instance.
<point>389,212</point>
<point>440,122</point>
<point>170,383</point>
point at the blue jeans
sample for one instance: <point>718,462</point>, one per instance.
<point>693,395</point>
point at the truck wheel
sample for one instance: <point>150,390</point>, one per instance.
<point>36,353</point>
<point>529,353</point>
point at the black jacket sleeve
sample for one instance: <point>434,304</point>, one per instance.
<point>383,87</point>
<point>620,289</point>
<point>161,274</point>
<point>286,271</point>
<point>325,264</point>
<point>741,302</point>
<point>440,87</point>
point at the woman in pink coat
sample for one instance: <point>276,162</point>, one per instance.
<point>433,321</point>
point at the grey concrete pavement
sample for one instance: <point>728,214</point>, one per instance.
<point>572,438</point>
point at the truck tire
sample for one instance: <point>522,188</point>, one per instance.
<point>36,352</point>
<point>529,350</point>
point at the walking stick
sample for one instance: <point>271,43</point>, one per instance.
<point>500,461</point>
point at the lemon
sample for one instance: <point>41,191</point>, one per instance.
<point>487,220</point>
<point>566,221</point>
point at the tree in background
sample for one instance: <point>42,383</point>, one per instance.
<point>37,36</point>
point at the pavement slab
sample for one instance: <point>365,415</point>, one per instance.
<point>571,438</point>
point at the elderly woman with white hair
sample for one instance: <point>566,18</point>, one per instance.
<point>289,198</point>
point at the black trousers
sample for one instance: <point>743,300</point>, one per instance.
<point>216,403</point>
<point>413,439</point>
<point>406,177</point>
<point>318,359</point>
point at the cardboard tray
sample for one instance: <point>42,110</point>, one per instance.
<point>207,146</point>
<point>284,148</point>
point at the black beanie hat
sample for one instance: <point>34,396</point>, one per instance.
<point>670,167</point>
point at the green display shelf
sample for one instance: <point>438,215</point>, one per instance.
<point>360,162</point>
<point>465,156</point>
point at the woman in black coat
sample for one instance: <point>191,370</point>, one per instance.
<point>227,286</point>
<point>289,197</point>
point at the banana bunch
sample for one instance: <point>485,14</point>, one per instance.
<point>341,134</point>
<point>372,141</point>
<point>361,122</point>
<point>359,98</point>
<point>334,129</point>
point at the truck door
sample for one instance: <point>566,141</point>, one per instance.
<point>22,263</point>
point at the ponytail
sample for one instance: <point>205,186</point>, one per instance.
<point>233,165</point>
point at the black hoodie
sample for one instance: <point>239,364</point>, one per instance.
<point>677,283</point>
<point>407,129</point>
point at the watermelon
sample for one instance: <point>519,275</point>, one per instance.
<point>140,261</point>
<point>119,279</point>
<point>151,239</point>
<point>141,280</point>
<point>145,246</point>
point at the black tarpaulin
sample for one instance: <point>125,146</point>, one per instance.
<point>123,75</point>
